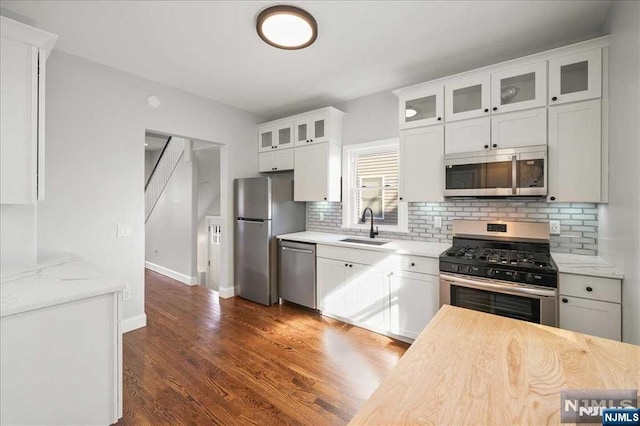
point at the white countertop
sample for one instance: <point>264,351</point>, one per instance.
<point>579,264</point>
<point>567,263</point>
<point>51,281</point>
<point>416,248</point>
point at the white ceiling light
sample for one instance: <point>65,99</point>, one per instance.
<point>287,27</point>
<point>410,112</point>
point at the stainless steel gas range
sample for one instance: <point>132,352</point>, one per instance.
<point>503,268</point>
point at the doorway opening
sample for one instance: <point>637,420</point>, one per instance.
<point>183,220</point>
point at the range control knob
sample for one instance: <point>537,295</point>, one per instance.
<point>528,278</point>
<point>455,267</point>
<point>515,276</point>
<point>490,272</point>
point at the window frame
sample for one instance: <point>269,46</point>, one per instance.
<point>348,191</point>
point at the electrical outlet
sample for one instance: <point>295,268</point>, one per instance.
<point>126,293</point>
<point>321,217</point>
<point>437,222</point>
<point>123,231</point>
<point>554,227</point>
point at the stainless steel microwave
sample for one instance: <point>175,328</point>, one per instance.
<point>499,173</point>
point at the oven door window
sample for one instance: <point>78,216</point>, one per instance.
<point>479,175</point>
<point>506,305</point>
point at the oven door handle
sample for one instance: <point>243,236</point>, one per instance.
<point>503,287</point>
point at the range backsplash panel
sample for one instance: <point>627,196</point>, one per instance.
<point>578,221</point>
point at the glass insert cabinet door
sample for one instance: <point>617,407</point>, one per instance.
<point>468,99</point>
<point>519,88</point>
<point>285,135</point>
<point>575,77</point>
<point>422,108</point>
<point>266,139</point>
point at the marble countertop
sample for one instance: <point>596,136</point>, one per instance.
<point>469,367</point>
<point>567,263</point>
<point>579,264</point>
<point>416,248</point>
<point>52,281</point>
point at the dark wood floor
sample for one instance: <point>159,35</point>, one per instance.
<point>203,360</point>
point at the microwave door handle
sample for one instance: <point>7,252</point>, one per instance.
<point>514,175</point>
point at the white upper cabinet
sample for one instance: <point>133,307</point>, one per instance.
<point>422,108</point>
<point>421,169</point>
<point>575,77</point>
<point>468,136</point>
<point>468,98</point>
<point>23,55</point>
<point>316,172</point>
<point>519,88</point>
<point>313,128</point>
<point>575,158</point>
<point>275,136</point>
<point>277,161</point>
<point>519,129</point>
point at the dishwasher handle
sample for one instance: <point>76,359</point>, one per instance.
<point>297,250</point>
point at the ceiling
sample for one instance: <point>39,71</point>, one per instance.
<point>211,48</point>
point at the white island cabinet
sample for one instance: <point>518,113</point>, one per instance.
<point>61,347</point>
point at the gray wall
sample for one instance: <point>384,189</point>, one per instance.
<point>620,219</point>
<point>96,119</point>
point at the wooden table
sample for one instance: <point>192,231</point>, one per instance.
<point>468,367</point>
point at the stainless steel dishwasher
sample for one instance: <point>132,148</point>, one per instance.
<point>298,273</point>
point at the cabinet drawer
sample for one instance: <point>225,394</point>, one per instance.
<point>364,257</point>
<point>596,288</point>
<point>421,265</point>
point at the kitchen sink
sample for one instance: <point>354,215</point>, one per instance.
<point>369,242</point>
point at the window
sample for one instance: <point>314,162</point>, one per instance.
<point>371,176</point>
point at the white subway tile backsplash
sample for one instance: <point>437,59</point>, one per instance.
<point>578,221</point>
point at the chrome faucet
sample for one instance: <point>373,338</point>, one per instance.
<point>372,233</point>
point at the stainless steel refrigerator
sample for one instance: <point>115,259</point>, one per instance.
<point>263,208</point>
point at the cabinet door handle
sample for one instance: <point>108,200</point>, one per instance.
<point>486,147</point>
<point>495,145</point>
<point>346,264</point>
<point>589,288</point>
<point>565,300</point>
<point>350,266</point>
<point>310,140</point>
<point>555,98</point>
<point>552,198</point>
<point>325,198</point>
<point>400,198</point>
<point>413,264</point>
<point>439,118</point>
<point>486,110</point>
<point>495,108</point>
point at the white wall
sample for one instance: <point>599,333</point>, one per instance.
<point>207,163</point>
<point>17,234</point>
<point>620,220</point>
<point>96,119</point>
<point>170,229</point>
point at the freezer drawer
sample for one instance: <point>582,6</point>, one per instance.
<point>297,282</point>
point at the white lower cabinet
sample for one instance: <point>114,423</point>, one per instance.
<point>377,295</point>
<point>368,289</point>
<point>591,305</point>
<point>592,317</point>
<point>413,300</point>
<point>332,276</point>
<point>63,364</point>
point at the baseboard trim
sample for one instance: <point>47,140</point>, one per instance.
<point>134,323</point>
<point>226,292</point>
<point>184,279</point>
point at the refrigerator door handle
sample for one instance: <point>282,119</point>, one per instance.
<point>241,219</point>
